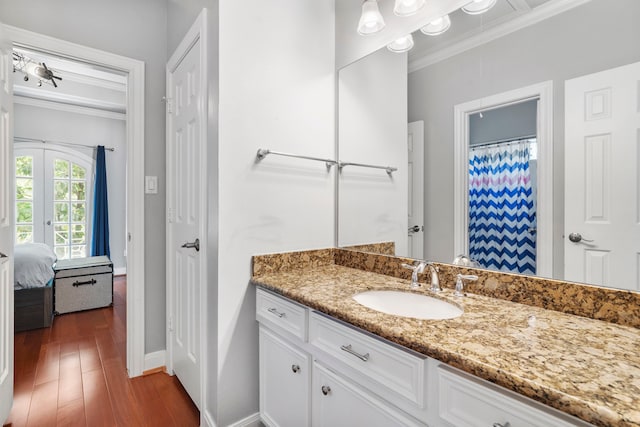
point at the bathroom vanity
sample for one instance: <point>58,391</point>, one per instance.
<point>326,360</point>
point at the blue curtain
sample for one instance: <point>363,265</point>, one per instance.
<point>502,217</point>
<point>100,235</point>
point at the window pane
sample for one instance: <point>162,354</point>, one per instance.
<point>78,213</point>
<point>24,212</point>
<point>61,212</point>
<point>78,234</point>
<point>24,234</point>
<point>61,234</point>
<point>61,190</point>
<point>78,190</point>
<point>24,166</point>
<point>78,172</point>
<point>62,252</point>
<point>24,189</point>
<point>61,168</point>
<point>78,251</point>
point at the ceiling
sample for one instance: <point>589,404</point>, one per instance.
<point>83,85</point>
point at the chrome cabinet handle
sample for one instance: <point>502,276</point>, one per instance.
<point>507,424</point>
<point>77,283</point>
<point>348,349</point>
<point>415,229</point>
<point>195,245</point>
<point>577,237</point>
<point>326,389</point>
<point>273,310</point>
<point>295,368</point>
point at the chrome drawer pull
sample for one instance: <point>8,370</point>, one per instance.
<point>295,368</point>
<point>507,424</point>
<point>273,310</point>
<point>88,282</point>
<point>326,389</point>
<point>348,349</point>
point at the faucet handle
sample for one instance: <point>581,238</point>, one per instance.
<point>416,267</point>
<point>460,283</point>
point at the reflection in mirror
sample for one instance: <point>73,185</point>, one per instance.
<point>554,41</point>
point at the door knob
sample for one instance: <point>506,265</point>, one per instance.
<point>195,245</point>
<point>577,237</point>
<point>415,229</point>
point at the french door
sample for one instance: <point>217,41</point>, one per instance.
<point>53,200</point>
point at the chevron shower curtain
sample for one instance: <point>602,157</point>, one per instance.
<point>501,208</point>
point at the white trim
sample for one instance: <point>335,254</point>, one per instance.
<point>197,32</point>
<point>155,360</point>
<point>540,13</point>
<point>120,271</point>
<point>544,92</point>
<point>65,98</point>
<point>250,421</point>
<point>206,419</point>
<point>134,70</point>
<point>52,105</point>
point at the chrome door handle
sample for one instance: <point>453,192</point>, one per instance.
<point>577,237</point>
<point>348,349</point>
<point>195,245</point>
<point>3,255</point>
<point>415,229</point>
<point>49,222</point>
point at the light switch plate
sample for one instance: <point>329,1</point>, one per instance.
<point>151,184</point>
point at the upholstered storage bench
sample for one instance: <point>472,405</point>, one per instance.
<point>83,284</point>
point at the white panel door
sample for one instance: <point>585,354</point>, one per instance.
<point>6,226</point>
<point>602,188</point>
<point>415,147</point>
<point>184,183</point>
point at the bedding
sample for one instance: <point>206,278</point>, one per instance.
<point>33,265</point>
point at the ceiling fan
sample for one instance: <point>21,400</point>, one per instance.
<point>30,67</point>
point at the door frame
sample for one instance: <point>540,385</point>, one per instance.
<point>197,32</point>
<point>134,70</point>
<point>544,212</point>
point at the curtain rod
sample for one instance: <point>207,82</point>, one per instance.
<point>502,141</point>
<point>42,141</point>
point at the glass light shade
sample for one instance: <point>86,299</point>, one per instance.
<point>371,19</point>
<point>437,26</point>
<point>403,44</point>
<point>407,7</point>
<point>476,7</point>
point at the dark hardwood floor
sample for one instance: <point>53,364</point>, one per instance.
<point>74,374</point>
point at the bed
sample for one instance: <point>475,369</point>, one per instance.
<point>33,286</point>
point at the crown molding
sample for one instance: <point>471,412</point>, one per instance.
<point>540,13</point>
<point>70,108</point>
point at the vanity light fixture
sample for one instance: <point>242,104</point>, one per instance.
<point>402,44</point>
<point>437,26</point>
<point>408,7</point>
<point>371,20</point>
<point>476,7</point>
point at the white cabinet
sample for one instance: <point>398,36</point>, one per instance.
<point>285,380</point>
<point>466,401</point>
<point>339,403</point>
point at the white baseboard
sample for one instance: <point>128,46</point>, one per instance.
<point>120,271</point>
<point>155,360</point>
<point>207,420</point>
<point>250,421</point>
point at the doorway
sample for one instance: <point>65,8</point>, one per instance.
<point>133,70</point>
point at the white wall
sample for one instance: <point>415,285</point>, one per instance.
<point>372,129</point>
<point>351,46</point>
<point>559,48</point>
<point>136,29</point>
<point>48,124</point>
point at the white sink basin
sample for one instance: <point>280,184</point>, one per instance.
<point>408,304</point>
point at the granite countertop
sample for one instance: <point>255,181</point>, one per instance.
<point>585,367</point>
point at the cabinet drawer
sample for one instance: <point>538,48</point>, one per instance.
<point>468,402</point>
<point>281,314</point>
<point>83,292</point>
<point>391,367</point>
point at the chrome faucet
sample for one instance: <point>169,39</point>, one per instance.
<point>416,268</point>
<point>435,280</point>
<point>460,283</point>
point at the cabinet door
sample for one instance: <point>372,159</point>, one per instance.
<point>338,403</point>
<point>285,380</point>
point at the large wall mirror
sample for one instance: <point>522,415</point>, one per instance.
<point>559,77</point>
